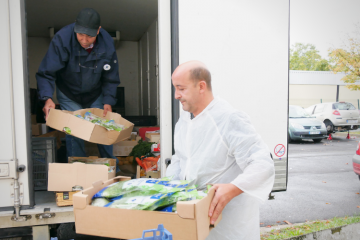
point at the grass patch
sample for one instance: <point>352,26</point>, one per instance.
<point>308,227</point>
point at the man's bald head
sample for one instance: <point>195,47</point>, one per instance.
<point>196,71</point>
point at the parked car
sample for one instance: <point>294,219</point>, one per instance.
<point>356,161</point>
<point>337,116</point>
<point>303,126</point>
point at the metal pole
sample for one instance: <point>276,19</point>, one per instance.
<point>337,93</point>
<point>174,61</point>
<point>358,104</point>
<point>16,182</point>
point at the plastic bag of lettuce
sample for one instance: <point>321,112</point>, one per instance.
<point>146,194</point>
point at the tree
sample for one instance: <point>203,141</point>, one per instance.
<point>348,61</point>
<point>307,57</point>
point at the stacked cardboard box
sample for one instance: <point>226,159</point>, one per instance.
<point>67,178</point>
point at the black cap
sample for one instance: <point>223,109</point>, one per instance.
<point>87,22</point>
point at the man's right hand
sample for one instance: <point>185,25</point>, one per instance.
<point>48,105</point>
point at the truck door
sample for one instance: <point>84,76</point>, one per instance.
<point>15,120</point>
<point>245,44</point>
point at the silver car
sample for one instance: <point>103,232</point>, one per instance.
<point>303,126</point>
<point>337,116</point>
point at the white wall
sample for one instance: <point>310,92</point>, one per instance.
<point>307,95</point>
<point>127,53</point>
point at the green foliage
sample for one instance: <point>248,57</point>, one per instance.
<point>348,61</point>
<point>142,149</point>
<point>309,227</point>
<point>306,57</point>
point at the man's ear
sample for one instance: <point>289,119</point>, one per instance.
<point>98,30</point>
<point>202,85</point>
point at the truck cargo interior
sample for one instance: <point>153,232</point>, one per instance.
<point>133,26</point>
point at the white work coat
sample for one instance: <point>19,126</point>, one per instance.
<point>221,146</point>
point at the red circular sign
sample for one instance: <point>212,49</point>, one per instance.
<point>279,150</point>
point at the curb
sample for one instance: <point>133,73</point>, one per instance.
<point>348,232</point>
<point>345,134</point>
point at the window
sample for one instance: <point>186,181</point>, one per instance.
<point>343,106</point>
<point>319,108</point>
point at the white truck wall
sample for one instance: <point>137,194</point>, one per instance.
<point>245,46</point>
<point>12,67</point>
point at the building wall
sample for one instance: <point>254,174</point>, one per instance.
<point>127,53</point>
<point>307,95</point>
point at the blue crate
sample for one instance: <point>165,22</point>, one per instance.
<point>163,234</point>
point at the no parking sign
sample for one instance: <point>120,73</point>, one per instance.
<point>279,150</point>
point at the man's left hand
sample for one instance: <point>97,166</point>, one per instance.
<point>107,108</point>
<point>223,195</point>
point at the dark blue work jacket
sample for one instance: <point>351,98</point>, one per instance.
<point>80,75</point>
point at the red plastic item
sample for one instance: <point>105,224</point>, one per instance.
<point>143,130</point>
<point>330,137</point>
<point>348,136</point>
<point>336,112</point>
<point>358,150</point>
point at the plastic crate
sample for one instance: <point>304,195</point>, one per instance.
<point>43,153</point>
<point>158,234</point>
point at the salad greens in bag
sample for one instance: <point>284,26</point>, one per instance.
<point>141,201</point>
<point>188,194</point>
<point>123,187</point>
<point>99,202</point>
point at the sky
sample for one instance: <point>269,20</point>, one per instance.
<point>323,23</point>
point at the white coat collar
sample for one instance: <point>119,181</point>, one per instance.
<point>208,107</point>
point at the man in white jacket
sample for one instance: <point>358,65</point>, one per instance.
<point>215,143</point>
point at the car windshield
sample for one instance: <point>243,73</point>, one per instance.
<point>343,106</point>
<point>297,112</point>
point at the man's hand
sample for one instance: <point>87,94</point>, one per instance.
<point>48,105</point>
<point>107,108</point>
<point>223,195</point>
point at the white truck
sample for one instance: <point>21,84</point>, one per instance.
<point>245,44</point>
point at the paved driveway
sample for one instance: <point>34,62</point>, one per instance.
<point>321,183</point>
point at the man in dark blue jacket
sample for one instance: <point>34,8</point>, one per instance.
<point>81,61</point>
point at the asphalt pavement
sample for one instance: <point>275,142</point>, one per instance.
<point>321,183</point>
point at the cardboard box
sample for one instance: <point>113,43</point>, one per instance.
<point>152,137</point>
<point>152,174</point>
<point>58,135</point>
<point>33,119</point>
<point>142,131</point>
<point>191,222</point>
<point>124,148</point>
<point>64,198</point>
<point>36,129</point>
<point>89,131</point>
<point>62,177</point>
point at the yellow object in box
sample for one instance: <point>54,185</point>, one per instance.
<point>65,198</point>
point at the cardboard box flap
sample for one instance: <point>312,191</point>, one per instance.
<point>63,176</point>
<point>97,183</point>
<point>202,214</point>
<point>57,118</point>
<point>186,209</point>
<point>80,200</point>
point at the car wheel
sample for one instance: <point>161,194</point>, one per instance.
<point>317,140</point>
<point>329,126</point>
